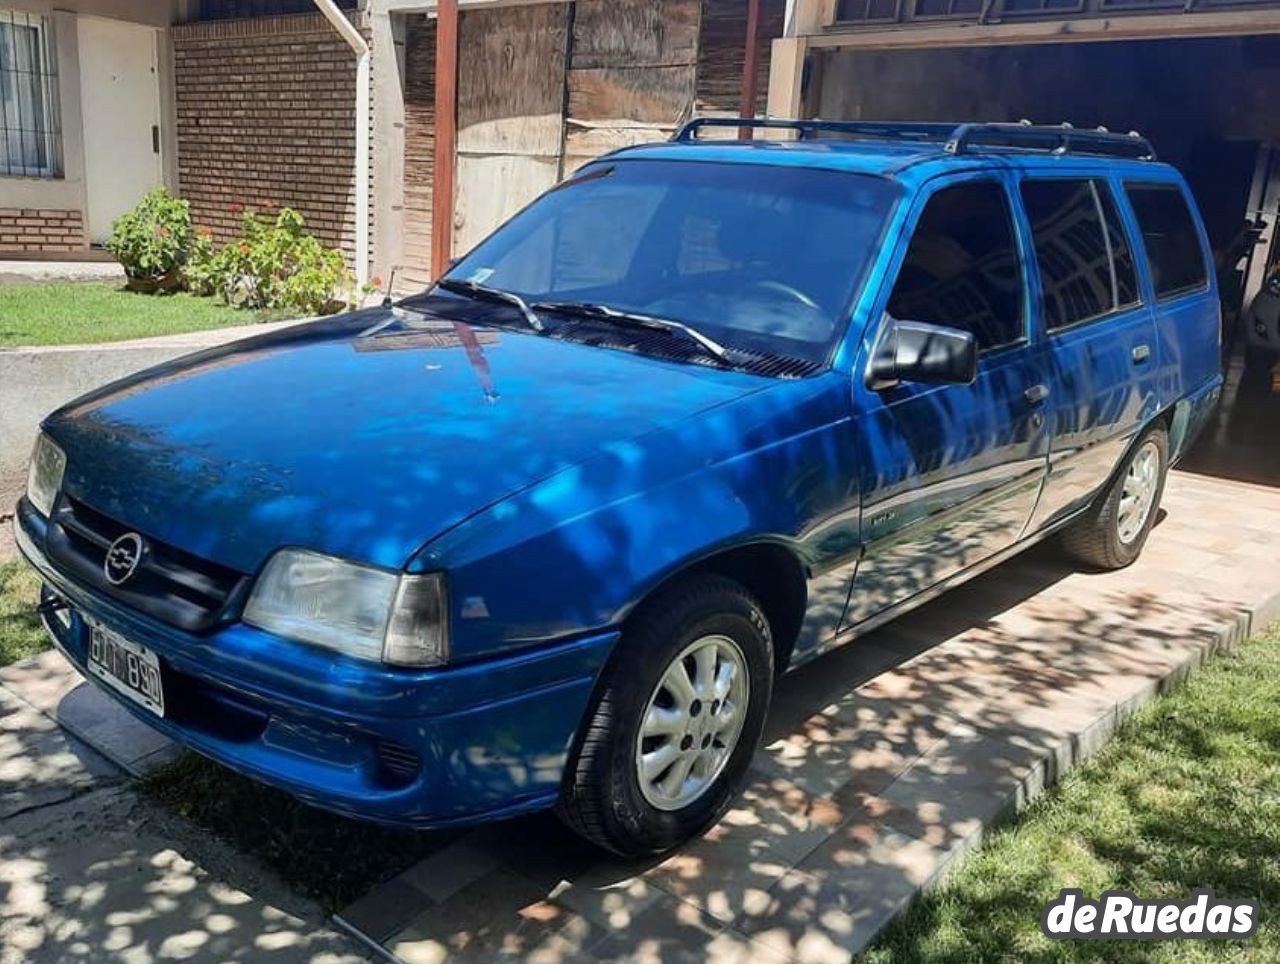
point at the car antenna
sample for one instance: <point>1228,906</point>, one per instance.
<point>391,280</point>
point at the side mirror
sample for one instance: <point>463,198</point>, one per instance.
<point>913,351</point>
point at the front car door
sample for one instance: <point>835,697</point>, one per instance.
<point>1101,342</point>
<point>950,473</point>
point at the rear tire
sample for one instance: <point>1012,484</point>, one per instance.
<point>1111,534</point>
<point>707,628</point>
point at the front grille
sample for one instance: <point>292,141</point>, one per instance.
<point>174,586</point>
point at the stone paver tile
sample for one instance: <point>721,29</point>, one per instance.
<point>857,742</point>
<point>445,872</point>
<point>672,932</point>
<point>109,728</point>
<point>813,688</point>
<point>971,775</point>
<point>40,764</point>
<point>842,894</point>
<point>385,911</point>
<point>501,916</point>
<point>769,828</point>
<point>607,891</point>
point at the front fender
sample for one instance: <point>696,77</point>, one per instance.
<point>577,551</point>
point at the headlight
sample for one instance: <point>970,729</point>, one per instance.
<point>44,476</point>
<point>362,612</point>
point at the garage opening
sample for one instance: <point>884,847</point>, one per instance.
<point>1207,105</point>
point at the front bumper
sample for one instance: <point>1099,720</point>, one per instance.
<point>421,748</point>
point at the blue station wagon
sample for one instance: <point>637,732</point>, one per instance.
<point>545,535</point>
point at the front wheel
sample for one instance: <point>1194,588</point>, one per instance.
<point>677,720</point>
<point>1111,534</point>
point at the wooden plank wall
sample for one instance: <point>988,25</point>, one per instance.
<point>419,150</point>
<point>721,53</point>
<point>632,74</point>
<point>510,112</point>
<point>544,88</point>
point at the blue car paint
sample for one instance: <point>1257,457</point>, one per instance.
<point>559,484</point>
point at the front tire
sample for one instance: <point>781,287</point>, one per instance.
<point>1111,534</point>
<point>677,720</point>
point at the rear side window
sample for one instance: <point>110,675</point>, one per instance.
<point>962,268</point>
<point>1170,237</point>
<point>1086,265</point>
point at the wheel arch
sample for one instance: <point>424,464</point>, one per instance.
<point>770,570</point>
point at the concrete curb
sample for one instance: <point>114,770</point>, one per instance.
<point>1058,760</point>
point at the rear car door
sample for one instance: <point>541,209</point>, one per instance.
<point>1100,348</point>
<point>950,473</point>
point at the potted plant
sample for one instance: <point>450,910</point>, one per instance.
<point>151,241</point>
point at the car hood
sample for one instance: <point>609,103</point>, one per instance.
<point>359,445</point>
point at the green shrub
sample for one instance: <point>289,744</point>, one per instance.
<point>198,274</point>
<point>151,241</point>
<point>274,264</point>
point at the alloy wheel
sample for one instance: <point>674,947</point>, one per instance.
<point>692,722</point>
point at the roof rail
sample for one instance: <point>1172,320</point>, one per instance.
<point>1060,139</point>
<point>875,130</point>
<point>955,138</point>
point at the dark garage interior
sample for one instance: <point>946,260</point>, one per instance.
<point>1207,104</point>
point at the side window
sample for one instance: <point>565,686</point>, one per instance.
<point>1170,237</point>
<point>1086,266</point>
<point>962,268</point>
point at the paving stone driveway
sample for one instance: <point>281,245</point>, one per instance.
<point>89,871</point>
<point>884,762</point>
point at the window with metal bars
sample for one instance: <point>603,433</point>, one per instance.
<point>30,128</point>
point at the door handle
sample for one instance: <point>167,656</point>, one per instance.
<point>1036,394</point>
<point>1141,353</point>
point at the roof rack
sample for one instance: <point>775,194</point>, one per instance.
<point>955,138</point>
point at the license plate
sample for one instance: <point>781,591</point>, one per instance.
<point>126,667</point>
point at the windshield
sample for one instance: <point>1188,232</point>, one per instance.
<point>757,257</point>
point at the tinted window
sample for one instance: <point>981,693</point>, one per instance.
<point>1169,235</point>
<point>962,268</point>
<point>1086,266</point>
<point>757,257</point>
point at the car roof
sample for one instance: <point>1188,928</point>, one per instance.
<point>900,159</point>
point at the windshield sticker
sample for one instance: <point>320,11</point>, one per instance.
<point>481,275</point>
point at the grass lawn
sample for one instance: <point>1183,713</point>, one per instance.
<point>21,634</point>
<point>79,313</point>
<point>1187,795</point>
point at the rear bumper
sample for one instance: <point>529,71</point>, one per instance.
<point>420,748</point>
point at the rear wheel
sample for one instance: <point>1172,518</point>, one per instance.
<point>677,720</point>
<point>1113,531</point>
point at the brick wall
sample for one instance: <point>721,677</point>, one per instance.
<point>266,115</point>
<point>40,229</point>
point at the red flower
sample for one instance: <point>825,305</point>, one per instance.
<point>244,247</point>
<point>235,207</point>
<point>204,231</point>
<point>376,281</point>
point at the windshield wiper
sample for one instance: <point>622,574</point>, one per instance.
<point>587,309</point>
<point>477,290</point>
